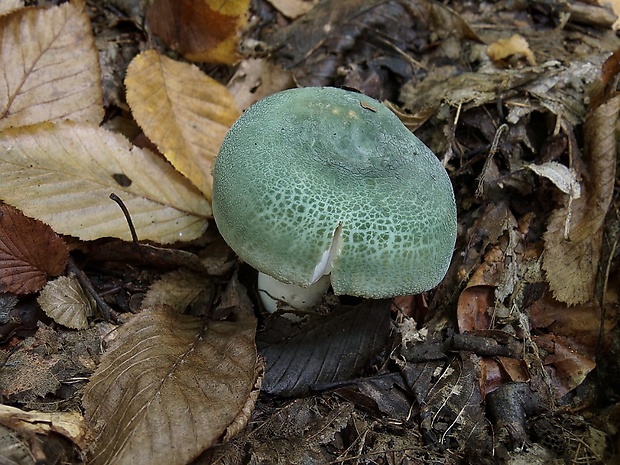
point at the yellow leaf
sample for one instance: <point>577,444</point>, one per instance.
<point>515,46</point>
<point>63,175</point>
<point>50,67</point>
<point>183,111</point>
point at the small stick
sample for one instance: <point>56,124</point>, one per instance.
<point>503,128</point>
<point>107,311</point>
<point>121,204</point>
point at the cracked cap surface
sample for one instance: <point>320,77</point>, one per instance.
<point>302,164</point>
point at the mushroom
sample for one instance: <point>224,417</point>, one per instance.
<point>323,185</point>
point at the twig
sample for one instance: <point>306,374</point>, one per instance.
<point>487,162</point>
<point>132,229</point>
<point>107,311</point>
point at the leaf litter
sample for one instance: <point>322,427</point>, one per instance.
<point>532,284</point>
<point>51,67</point>
<point>183,111</point>
<point>164,368</point>
<point>30,252</point>
<point>64,173</point>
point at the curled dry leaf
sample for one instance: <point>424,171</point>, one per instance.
<point>50,67</point>
<point>71,425</point>
<point>564,178</point>
<point>570,338</point>
<point>63,174</point>
<point>515,46</point>
<point>203,30</point>
<point>169,386</point>
<point>64,301</point>
<point>183,111</point>
<point>30,252</point>
<point>575,232</point>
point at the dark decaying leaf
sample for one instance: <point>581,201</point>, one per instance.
<point>169,386</point>
<point>360,40</point>
<point>329,349</point>
<point>450,398</point>
<point>381,395</point>
<point>30,252</point>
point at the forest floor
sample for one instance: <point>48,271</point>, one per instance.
<point>515,356</point>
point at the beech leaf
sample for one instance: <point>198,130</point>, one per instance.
<point>575,232</point>
<point>50,67</point>
<point>64,301</point>
<point>183,111</point>
<point>10,5</point>
<point>169,386</point>
<point>63,175</point>
<point>177,289</point>
<point>30,252</point>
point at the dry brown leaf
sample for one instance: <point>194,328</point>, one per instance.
<point>63,175</point>
<point>71,425</point>
<point>292,8</point>
<point>567,363</point>
<point>30,252</point>
<point>169,386</point>
<point>569,338</point>
<point>575,232</point>
<point>200,30</point>
<point>515,46</point>
<point>257,78</point>
<point>183,111</point>
<point>65,302</point>
<point>176,289</point>
<point>51,67</point>
<point>615,6</point>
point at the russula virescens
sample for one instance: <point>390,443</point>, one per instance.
<point>320,181</point>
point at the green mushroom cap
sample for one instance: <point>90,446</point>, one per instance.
<point>321,180</point>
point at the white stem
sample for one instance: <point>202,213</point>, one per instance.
<point>302,298</point>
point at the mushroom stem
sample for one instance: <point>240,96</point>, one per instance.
<point>273,291</point>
